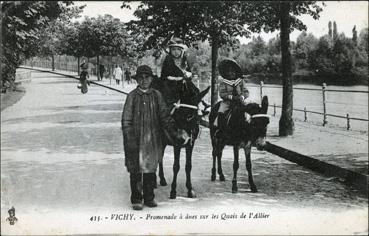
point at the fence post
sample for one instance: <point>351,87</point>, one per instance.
<point>261,90</point>
<point>305,115</point>
<point>348,121</point>
<point>274,112</point>
<point>324,105</point>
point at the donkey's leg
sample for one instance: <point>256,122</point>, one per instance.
<point>177,152</point>
<point>220,170</point>
<point>163,182</point>
<point>236,165</point>
<point>214,169</point>
<point>248,168</point>
<point>190,192</point>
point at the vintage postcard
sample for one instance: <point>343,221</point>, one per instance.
<point>184,117</point>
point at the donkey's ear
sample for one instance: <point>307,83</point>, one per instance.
<point>203,93</point>
<point>264,104</point>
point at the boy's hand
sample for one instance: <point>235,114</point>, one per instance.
<point>236,98</point>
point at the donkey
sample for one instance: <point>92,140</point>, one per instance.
<point>186,116</point>
<point>246,126</point>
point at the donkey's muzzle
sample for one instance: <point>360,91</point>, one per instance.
<point>260,143</point>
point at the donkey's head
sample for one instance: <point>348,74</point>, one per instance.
<point>257,121</point>
<point>185,112</point>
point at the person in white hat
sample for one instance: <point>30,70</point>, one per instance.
<point>175,69</point>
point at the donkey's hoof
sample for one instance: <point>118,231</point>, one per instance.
<point>155,185</point>
<point>221,177</point>
<point>191,194</point>
<point>173,195</point>
<point>234,187</point>
<point>163,182</point>
<point>254,189</point>
<point>213,177</point>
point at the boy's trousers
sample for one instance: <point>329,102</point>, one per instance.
<point>142,183</point>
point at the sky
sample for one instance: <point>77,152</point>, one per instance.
<point>345,13</point>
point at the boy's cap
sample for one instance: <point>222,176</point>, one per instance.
<point>224,64</point>
<point>143,70</point>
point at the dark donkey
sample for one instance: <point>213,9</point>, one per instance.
<point>247,126</point>
<point>186,117</point>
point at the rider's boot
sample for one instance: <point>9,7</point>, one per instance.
<point>222,123</point>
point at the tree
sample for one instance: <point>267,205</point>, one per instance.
<point>51,38</point>
<point>274,46</point>
<point>258,46</point>
<point>330,29</point>
<point>364,40</point>
<point>355,50</point>
<point>21,22</point>
<point>334,61</point>
<point>219,22</point>
<point>94,37</point>
<point>335,32</point>
<point>305,43</point>
<point>286,124</point>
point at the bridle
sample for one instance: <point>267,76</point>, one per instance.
<point>178,105</point>
<point>260,115</point>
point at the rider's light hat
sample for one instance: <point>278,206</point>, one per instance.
<point>11,210</point>
<point>177,42</point>
<point>144,69</point>
<point>226,63</point>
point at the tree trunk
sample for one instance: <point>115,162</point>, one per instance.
<point>52,62</point>
<point>214,79</point>
<point>97,67</point>
<point>78,63</point>
<point>286,124</point>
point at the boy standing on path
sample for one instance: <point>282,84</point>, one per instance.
<point>145,116</point>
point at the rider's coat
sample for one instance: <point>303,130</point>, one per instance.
<point>169,72</point>
<point>227,91</point>
<point>145,116</point>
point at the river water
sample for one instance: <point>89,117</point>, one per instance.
<point>337,103</point>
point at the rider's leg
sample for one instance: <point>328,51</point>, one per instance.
<point>222,123</point>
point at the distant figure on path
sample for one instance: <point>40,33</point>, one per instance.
<point>101,71</point>
<point>127,74</point>
<point>118,73</point>
<point>83,78</point>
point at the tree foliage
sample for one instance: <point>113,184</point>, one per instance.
<point>339,60</point>
<point>21,22</point>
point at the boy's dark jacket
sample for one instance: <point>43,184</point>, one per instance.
<point>145,116</point>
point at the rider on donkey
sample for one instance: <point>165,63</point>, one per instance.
<point>175,70</point>
<point>231,88</point>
